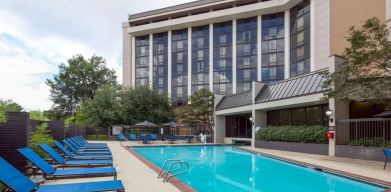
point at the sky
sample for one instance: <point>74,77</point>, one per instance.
<point>38,35</point>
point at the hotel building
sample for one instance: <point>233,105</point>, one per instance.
<point>262,58</point>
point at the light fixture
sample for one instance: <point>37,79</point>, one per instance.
<point>251,119</point>
<point>329,114</point>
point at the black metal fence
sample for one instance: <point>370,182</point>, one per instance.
<point>56,128</point>
<point>372,132</point>
<point>74,130</point>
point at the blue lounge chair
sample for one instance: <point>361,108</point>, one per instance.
<point>16,181</point>
<point>84,152</point>
<point>86,145</point>
<point>81,163</point>
<point>87,148</point>
<point>86,142</point>
<point>49,172</point>
<point>145,138</point>
<point>79,157</point>
<point>133,137</point>
<point>154,137</point>
<point>121,137</point>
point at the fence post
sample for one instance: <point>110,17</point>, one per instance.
<point>384,133</point>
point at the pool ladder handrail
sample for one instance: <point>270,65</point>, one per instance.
<point>167,175</point>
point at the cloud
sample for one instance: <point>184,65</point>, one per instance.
<point>37,35</point>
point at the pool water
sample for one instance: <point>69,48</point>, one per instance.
<point>226,169</point>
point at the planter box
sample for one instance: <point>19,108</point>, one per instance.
<point>320,149</point>
<point>360,152</point>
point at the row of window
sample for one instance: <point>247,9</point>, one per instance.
<point>272,49</point>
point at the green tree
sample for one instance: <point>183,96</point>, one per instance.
<point>104,109</point>
<point>77,82</point>
<point>8,106</point>
<point>38,115</point>
<point>365,74</point>
<point>80,118</point>
<point>199,111</point>
<point>40,135</point>
<point>143,104</point>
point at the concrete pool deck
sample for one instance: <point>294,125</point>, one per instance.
<point>138,176</point>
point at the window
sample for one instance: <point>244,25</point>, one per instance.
<point>142,61</point>
<point>223,51</point>
<point>200,66</point>
<point>200,55</point>
<point>200,77</point>
<point>273,59</point>
<point>300,52</point>
<point>246,49</point>
<point>161,81</point>
<point>300,38</point>
<point>160,48</point>
<point>160,59</point>
<point>246,74</point>
<point>246,86</point>
<point>223,39</point>
<point>180,45</point>
<point>160,70</point>
<point>273,73</point>
<point>179,91</point>
<point>180,57</point>
<point>272,31</point>
<point>300,23</point>
<point>246,62</point>
<point>272,45</point>
<point>142,50</point>
<point>223,88</point>
<point>200,42</point>
<point>180,80</point>
<point>180,68</point>
<point>223,63</point>
<point>222,76</point>
<point>300,67</point>
<point>246,36</point>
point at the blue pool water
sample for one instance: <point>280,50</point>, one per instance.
<point>226,169</point>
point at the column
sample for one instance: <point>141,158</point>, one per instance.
<point>189,61</point>
<point>234,56</point>
<point>211,57</point>
<point>151,61</point>
<point>287,51</point>
<point>259,48</point>
<point>219,132</point>
<point>126,56</point>
<point>259,121</point>
<point>312,34</point>
<point>133,63</point>
<point>169,77</point>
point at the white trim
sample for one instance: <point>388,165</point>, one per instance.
<point>312,33</point>
<point>189,61</point>
<point>234,56</point>
<point>287,39</point>
<point>211,57</point>
<point>133,61</point>
<point>151,61</point>
<point>259,48</point>
<point>169,60</point>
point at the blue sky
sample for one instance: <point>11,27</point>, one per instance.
<point>37,35</point>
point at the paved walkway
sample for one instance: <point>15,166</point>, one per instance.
<point>135,175</point>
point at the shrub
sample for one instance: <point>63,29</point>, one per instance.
<point>97,137</point>
<point>41,135</point>
<point>298,134</point>
<point>2,117</point>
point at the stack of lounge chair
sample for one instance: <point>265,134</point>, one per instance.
<point>74,158</point>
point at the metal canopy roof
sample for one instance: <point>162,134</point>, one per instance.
<point>298,86</point>
<point>172,8</point>
<point>236,100</point>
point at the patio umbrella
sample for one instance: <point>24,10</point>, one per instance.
<point>171,125</point>
<point>146,124</point>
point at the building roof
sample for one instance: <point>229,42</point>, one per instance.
<point>298,86</point>
<point>236,100</point>
<point>172,8</point>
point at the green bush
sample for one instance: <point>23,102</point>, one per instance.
<point>96,137</point>
<point>370,142</point>
<point>41,135</point>
<point>297,134</point>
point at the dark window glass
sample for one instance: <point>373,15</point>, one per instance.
<point>273,47</point>
<point>200,58</point>
<point>238,126</point>
<point>272,118</point>
<point>314,115</point>
<point>160,62</point>
<point>298,116</point>
<point>246,53</point>
<point>142,60</point>
<point>307,116</point>
<point>222,58</point>
<point>300,39</point>
<point>284,117</point>
<point>179,47</point>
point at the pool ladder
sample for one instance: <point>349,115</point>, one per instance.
<point>167,175</point>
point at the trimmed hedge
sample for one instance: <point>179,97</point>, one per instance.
<point>297,134</point>
<point>96,137</point>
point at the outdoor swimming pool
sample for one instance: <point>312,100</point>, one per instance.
<point>226,169</point>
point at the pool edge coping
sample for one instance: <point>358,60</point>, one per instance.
<point>180,185</point>
<point>348,175</point>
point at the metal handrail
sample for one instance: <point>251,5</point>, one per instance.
<point>179,173</point>
<point>162,172</point>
